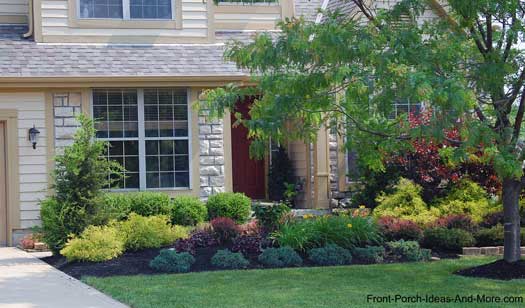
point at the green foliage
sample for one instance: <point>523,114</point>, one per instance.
<point>409,250</point>
<point>468,198</point>
<point>170,261</point>
<point>270,217</point>
<point>229,260</point>
<point>347,232</point>
<point>369,254</point>
<point>111,206</point>
<point>232,205</point>
<point>280,174</point>
<point>188,211</point>
<point>149,203</point>
<point>330,255</point>
<point>373,184</point>
<point>447,239</point>
<point>280,257</point>
<point>81,171</point>
<point>490,236</point>
<point>141,232</point>
<point>95,244</point>
<point>405,202</point>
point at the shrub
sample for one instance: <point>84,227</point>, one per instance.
<point>188,211</point>
<point>230,260</point>
<point>369,254</point>
<point>344,231</point>
<point>447,239</point>
<point>185,245</point>
<point>95,244</point>
<point>405,202</point>
<point>141,232</point>
<point>81,172</point>
<point>270,216</point>
<point>232,205</point>
<point>493,236</point>
<point>170,261</point>
<point>111,206</point>
<point>149,203</point>
<point>492,219</point>
<point>247,244</point>
<point>330,255</point>
<point>281,173</point>
<point>466,198</point>
<point>250,228</point>
<point>280,257</point>
<point>225,229</point>
<point>408,250</point>
<point>463,222</point>
<point>203,238</point>
<point>394,229</point>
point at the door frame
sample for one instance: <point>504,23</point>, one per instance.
<point>10,118</point>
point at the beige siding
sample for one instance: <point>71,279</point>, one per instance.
<point>428,15</point>
<point>33,173</point>
<point>56,21</point>
<point>255,17</point>
<point>13,11</point>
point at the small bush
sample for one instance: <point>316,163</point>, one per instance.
<point>111,206</point>
<point>463,222</point>
<point>280,257</point>
<point>230,260</point>
<point>188,211</point>
<point>95,244</point>
<point>225,229</point>
<point>344,231</point>
<point>447,239</point>
<point>232,205</point>
<point>55,233</point>
<point>369,254</point>
<point>150,203</point>
<point>408,250</point>
<point>170,261</point>
<point>141,232</point>
<point>185,245</point>
<point>330,255</point>
<point>270,216</point>
<point>395,229</point>
<point>405,202</point>
<point>490,236</point>
<point>247,244</point>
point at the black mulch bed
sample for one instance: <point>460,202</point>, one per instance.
<point>137,263</point>
<point>500,270</point>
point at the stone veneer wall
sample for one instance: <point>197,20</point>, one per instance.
<point>66,106</point>
<point>211,156</point>
<point>334,150</point>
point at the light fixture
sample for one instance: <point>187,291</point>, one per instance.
<point>33,136</point>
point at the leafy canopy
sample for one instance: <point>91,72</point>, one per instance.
<point>348,72</point>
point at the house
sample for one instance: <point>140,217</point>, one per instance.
<point>137,66</point>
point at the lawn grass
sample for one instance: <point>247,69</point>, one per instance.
<point>345,286</point>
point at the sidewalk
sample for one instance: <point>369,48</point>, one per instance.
<point>27,282</point>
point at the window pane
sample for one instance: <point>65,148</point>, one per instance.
<point>181,163</point>
<point>152,163</point>
<point>166,147</point>
<point>152,180</point>
<point>150,9</point>
<point>182,179</point>
<point>167,179</point>
<point>181,147</point>
<point>152,147</point>
<point>101,8</point>
<point>166,163</point>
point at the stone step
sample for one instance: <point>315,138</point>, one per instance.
<point>486,251</point>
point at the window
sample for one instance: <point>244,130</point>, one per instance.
<point>148,134</point>
<point>125,9</point>
<point>403,107</point>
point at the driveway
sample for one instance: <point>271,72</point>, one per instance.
<point>28,282</point>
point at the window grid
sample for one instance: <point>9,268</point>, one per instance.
<point>172,165</point>
<point>126,9</point>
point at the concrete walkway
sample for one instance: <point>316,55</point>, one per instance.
<point>28,282</point>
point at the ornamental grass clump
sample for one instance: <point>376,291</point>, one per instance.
<point>344,231</point>
<point>330,255</point>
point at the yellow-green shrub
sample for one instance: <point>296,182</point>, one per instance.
<point>405,203</point>
<point>96,244</point>
<point>141,232</point>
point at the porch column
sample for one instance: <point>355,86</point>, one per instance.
<point>321,160</point>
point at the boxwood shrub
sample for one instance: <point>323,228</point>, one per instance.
<point>369,254</point>
<point>170,261</point>
<point>330,255</point>
<point>236,206</point>
<point>447,239</point>
<point>408,250</point>
<point>188,211</point>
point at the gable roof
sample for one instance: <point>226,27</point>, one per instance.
<point>24,58</point>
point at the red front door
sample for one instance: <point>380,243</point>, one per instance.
<point>248,174</point>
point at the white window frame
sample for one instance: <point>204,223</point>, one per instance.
<point>126,13</point>
<point>142,140</point>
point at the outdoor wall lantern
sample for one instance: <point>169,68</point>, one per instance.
<point>33,136</point>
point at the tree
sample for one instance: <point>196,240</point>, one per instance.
<point>468,68</point>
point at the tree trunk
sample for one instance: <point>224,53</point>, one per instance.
<point>511,197</point>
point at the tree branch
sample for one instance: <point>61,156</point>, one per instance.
<point>519,118</point>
